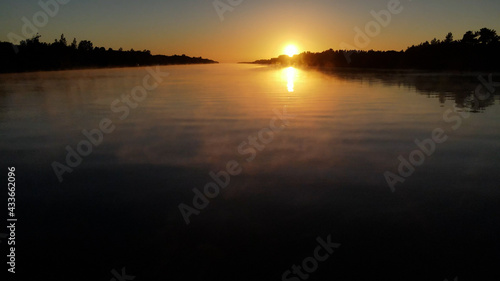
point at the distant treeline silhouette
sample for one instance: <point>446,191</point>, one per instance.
<point>475,51</point>
<point>32,55</point>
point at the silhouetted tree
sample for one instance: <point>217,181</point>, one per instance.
<point>435,41</point>
<point>449,38</point>
<point>33,41</point>
<point>85,46</point>
<point>487,36</point>
<point>63,41</point>
<point>469,38</point>
<point>74,44</point>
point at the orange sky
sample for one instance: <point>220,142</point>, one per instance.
<point>248,30</point>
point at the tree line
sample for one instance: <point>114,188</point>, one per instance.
<point>32,55</point>
<point>478,50</point>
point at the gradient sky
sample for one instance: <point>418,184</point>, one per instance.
<point>255,29</point>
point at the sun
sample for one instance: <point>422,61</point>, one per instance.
<point>291,50</point>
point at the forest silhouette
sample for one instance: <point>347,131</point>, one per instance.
<point>33,55</point>
<point>476,51</point>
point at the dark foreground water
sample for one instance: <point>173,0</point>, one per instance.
<point>317,175</point>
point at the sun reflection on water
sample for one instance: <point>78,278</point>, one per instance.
<point>291,74</point>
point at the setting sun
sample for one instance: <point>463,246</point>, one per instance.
<point>291,50</point>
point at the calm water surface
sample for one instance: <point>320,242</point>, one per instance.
<point>322,175</point>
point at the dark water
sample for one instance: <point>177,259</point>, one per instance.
<point>322,175</point>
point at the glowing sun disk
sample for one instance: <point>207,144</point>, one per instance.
<point>291,50</point>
